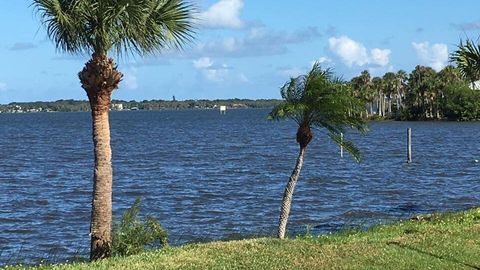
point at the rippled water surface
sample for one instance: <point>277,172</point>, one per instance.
<point>211,176</point>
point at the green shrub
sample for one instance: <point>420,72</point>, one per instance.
<point>461,103</point>
<point>132,235</point>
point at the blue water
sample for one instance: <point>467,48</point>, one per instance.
<point>211,176</point>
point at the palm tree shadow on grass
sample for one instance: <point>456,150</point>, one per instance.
<point>414,249</point>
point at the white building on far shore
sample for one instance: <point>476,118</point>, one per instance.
<point>117,107</point>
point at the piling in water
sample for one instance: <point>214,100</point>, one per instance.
<point>341,145</point>
<point>223,109</point>
<point>409,145</point>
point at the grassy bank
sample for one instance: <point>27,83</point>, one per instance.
<point>446,241</point>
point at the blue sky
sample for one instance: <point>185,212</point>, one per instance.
<point>246,48</point>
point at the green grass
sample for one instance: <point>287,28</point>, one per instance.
<point>440,241</point>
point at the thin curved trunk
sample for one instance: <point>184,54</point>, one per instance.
<point>99,78</point>
<point>288,195</point>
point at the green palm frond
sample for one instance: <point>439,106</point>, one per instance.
<point>292,91</point>
<point>320,99</point>
<point>121,26</point>
<point>61,21</point>
<point>287,110</point>
<point>467,58</point>
<point>347,145</point>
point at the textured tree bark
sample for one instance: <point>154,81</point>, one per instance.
<point>304,137</point>
<point>101,222</point>
<point>99,78</point>
<point>288,195</point>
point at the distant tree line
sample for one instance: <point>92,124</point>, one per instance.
<point>197,103</point>
<point>83,106</point>
<point>423,94</point>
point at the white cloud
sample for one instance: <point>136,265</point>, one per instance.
<point>355,53</point>
<point>291,72</point>
<point>223,14</point>
<point>351,52</point>
<point>218,73</point>
<point>203,62</point>
<point>380,70</point>
<point>3,87</point>
<point>258,41</point>
<point>435,55</point>
<point>380,57</point>
<point>322,60</point>
<point>130,78</point>
<point>212,72</point>
<point>296,71</point>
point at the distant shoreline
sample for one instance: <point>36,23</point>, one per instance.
<point>145,105</point>
<point>156,110</point>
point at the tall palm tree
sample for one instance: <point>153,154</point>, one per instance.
<point>378,86</point>
<point>362,86</point>
<point>421,83</point>
<point>389,80</point>
<point>447,77</point>
<point>467,58</point>
<point>317,99</point>
<point>401,87</point>
<point>97,28</point>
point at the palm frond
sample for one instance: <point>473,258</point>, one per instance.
<point>62,22</point>
<point>321,99</point>
<point>347,145</point>
<point>467,58</point>
<point>284,110</point>
<point>124,26</point>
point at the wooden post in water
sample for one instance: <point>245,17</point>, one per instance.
<point>341,145</point>
<point>409,145</point>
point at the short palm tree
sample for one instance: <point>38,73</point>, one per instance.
<point>97,28</point>
<point>467,58</point>
<point>320,100</point>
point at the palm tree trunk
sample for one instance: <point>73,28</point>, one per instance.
<point>99,78</point>
<point>383,105</point>
<point>288,194</point>
<point>101,222</point>
<point>390,104</point>
<point>397,101</point>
